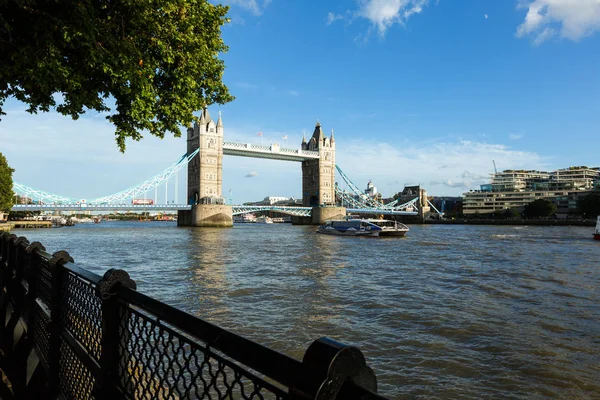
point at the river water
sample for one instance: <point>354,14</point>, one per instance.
<point>449,311</point>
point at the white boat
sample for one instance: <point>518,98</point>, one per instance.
<point>363,227</point>
<point>597,232</point>
<point>263,219</point>
<point>245,218</point>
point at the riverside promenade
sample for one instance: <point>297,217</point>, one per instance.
<point>516,222</point>
<point>69,333</point>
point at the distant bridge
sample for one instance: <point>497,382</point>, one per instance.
<point>237,210</point>
<point>355,200</point>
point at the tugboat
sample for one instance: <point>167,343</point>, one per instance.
<point>597,232</point>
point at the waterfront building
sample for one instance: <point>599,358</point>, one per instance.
<point>371,190</point>
<point>575,178</point>
<point>517,188</point>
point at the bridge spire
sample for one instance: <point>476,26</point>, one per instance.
<point>220,121</point>
<point>332,140</point>
<point>207,115</point>
<point>318,134</point>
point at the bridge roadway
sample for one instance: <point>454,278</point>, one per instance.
<point>237,210</point>
<point>273,152</point>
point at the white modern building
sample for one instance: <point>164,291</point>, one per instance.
<point>517,188</point>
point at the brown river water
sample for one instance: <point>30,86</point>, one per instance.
<point>449,311</point>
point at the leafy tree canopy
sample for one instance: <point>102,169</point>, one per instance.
<point>590,204</point>
<point>6,184</point>
<point>539,208</point>
<point>157,59</point>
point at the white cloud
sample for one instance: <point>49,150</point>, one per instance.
<point>485,16</point>
<point>515,136</point>
<point>251,174</point>
<point>331,18</point>
<point>293,93</point>
<point>256,7</point>
<point>381,13</point>
<point>443,168</point>
<point>571,19</point>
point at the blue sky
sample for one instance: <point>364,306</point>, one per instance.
<point>417,91</point>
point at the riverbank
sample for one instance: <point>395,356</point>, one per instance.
<point>6,227</point>
<point>533,222</point>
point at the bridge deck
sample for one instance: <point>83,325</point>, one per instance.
<point>273,152</point>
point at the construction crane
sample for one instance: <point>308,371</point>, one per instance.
<point>495,170</point>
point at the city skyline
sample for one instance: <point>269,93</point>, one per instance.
<point>417,92</point>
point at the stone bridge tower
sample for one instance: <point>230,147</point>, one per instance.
<point>205,175</point>
<point>205,170</point>
<point>318,178</point>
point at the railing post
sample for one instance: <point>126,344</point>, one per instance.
<point>5,272</point>
<point>334,364</point>
<point>16,341</point>
<point>14,291</point>
<point>115,317</point>
<point>3,246</point>
<point>38,380</point>
<point>56,264</point>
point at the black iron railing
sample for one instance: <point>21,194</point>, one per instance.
<point>67,332</point>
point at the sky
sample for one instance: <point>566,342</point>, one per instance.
<point>418,92</point>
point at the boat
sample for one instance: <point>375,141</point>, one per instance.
<point>245,218</point>
<point>597,232</point>
<point>363,227</point>
<point>263,219</point>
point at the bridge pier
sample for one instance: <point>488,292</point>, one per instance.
<point>321,214</point>
<point>206,215</point>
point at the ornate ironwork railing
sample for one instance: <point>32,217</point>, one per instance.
<point>69,333</point>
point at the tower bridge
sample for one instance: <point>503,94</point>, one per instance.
<point>205,172</point>
<point>204,204</point>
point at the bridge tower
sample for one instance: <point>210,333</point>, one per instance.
<point>205,175</point>
<point>318,178</point>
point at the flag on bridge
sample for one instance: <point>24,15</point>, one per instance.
<point>259,134</point>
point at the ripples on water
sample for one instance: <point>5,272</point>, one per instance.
<point>447,312</point>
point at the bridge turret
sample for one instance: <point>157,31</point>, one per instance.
<point>318,176</point>
<point>304,144</point>
<point>207,115</point>
<point>220,121</point>
<point>205,176</point>
<point>190,132</point>
<point>318,134</point>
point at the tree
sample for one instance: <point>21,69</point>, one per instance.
<point>6,184</point>
<point>511,213</point>
<point>589,205</point>
<point>158,60</point>
<point>539,208</point>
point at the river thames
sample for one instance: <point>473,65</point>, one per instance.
<point>453,311</point>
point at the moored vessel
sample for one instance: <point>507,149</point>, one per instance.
<point>264,219</point>
<point>363,227</point>
<point>597,231</point>
<point>245,218</point>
